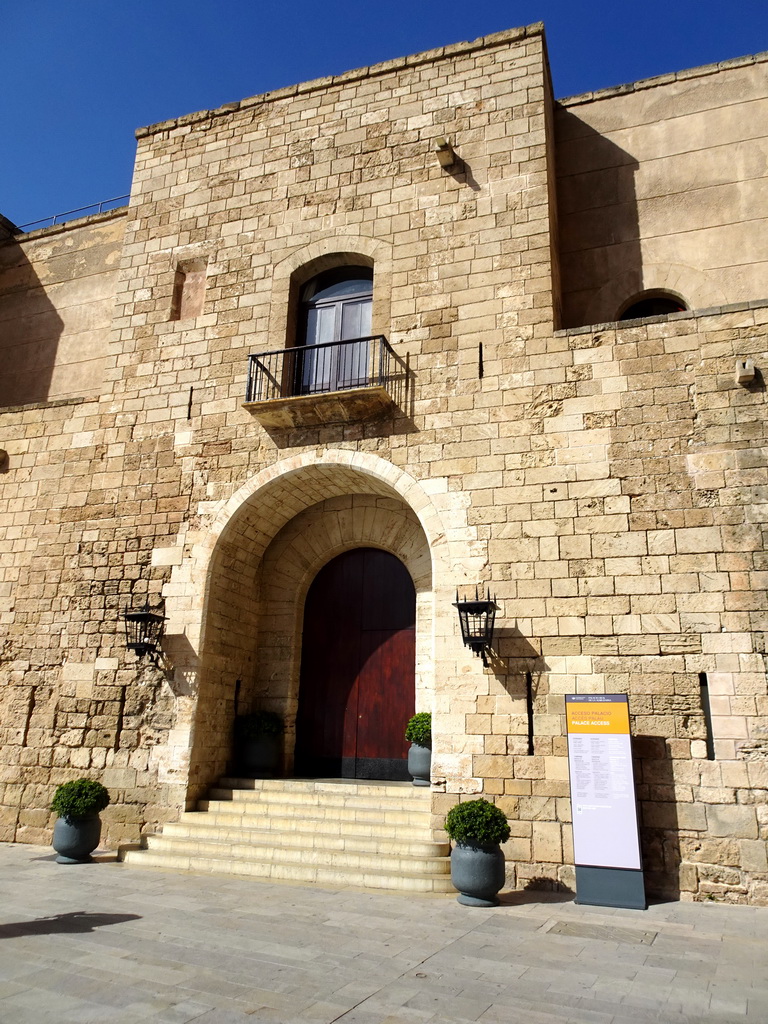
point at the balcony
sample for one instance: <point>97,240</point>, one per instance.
<point>338,382</point>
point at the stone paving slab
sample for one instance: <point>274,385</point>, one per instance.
<point>107,944</point>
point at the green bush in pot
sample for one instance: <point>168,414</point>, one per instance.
<point>77,830</point>
<point>477,827</point>
<point>258,743</point>
<point>418,732</point>
<point>259,723</point>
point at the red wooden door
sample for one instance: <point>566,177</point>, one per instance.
<point>356,691</point>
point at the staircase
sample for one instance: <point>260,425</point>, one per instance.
<point>373,835</point>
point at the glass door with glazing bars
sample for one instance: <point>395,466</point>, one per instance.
<point>336,308</point>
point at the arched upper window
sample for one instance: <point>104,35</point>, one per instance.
<point>335,323</point>
<point>653,304</point>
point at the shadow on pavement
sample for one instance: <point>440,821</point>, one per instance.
<point>97,857</point>
<point>518,897</point>
<point>75,921</point>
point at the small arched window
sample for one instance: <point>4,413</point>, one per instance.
<point>653,304</point>
<point>334,330</point>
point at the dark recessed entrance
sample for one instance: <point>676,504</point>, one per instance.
<point>356,692</point>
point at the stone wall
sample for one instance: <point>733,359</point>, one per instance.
<point>57,289</point>
<point>662,185</point>
<point>631,559</point>
<point>71,558</point>
<point>255,194</point>
<point>606,483</point>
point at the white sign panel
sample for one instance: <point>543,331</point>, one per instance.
<point>605,832</point>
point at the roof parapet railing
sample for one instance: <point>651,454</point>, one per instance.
<point>57,218</point>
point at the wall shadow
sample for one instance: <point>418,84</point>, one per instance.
<point>513,654</point>
<point>180,664</point>
<point>30,327</point>
<point>659,827</point>
<point>519,666</point>
<point>756,386</point>
<point>461,172</point>
<point>599,232</point>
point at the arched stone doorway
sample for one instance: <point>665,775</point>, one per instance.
<point>258,562</point>
<point>310,541</point>
<point>356,690</point>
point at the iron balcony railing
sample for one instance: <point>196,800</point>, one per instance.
<point>316,369</point>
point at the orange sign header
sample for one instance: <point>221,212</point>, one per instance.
<point>601,719</point>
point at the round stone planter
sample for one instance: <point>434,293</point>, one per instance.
<point>420,764</point>
<point>75,839</point>
<point>259,757</point>
<point>478,873</point>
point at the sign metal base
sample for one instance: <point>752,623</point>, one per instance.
<point>610,887</point>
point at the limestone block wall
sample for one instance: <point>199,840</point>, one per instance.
<point>630,558</point>
<point>72,702</point>
<point>270,190</point>
<point>244,199</point>
<point>57,288</point>
<point>662,185</point>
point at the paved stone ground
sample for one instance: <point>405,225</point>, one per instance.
<point>110,944</point>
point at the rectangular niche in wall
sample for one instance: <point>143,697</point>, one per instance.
<point>188,290</point>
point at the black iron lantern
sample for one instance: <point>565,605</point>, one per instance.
<point>477,617</point>
<point>143,631</point>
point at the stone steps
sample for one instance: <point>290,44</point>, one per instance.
<point>196,827</point>
<point>278,814</point>
<point>400,792</point>
<point>211,848</point>
<point>416,881</point>
<point>399,796</point>
<point>336,833</point>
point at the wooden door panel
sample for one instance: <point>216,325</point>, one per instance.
<point>388,598</point>
<point>329,671</point>
<point>358,665</point>
<point>385,694</point>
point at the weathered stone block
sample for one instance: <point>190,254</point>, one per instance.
<point>737,822</point>
<point>547,842</point>
<point>692,816</point>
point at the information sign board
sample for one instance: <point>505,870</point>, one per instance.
<point>604,811</point>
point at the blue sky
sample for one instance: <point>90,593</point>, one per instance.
<point>78,76</point>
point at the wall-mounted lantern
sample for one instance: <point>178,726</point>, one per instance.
<point>476,618</point>
<point>143,631</point>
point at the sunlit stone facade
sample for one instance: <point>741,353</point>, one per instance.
<point>605,478</point>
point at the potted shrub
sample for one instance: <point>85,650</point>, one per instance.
<point>77,830</point>
<point>258,744</point>
<point>418,732</point>
<point>477,827</point>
